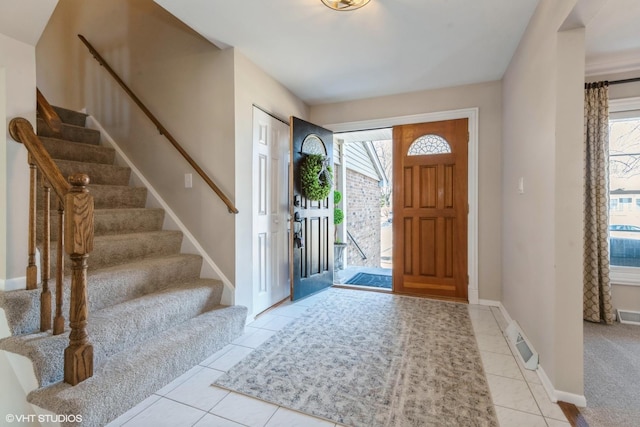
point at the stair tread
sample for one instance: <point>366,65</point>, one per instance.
<point>119,327</point>
<point>106,286</point>
<point>77,150</point>
<point>99,173</point>
<point>100,398</point>
<point>70,132</point>
<point>71,116</point>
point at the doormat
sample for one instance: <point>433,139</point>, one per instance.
<point>372,359</point>
<point>367,279</point>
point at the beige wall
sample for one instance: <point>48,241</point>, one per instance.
<point>183,79</point>
<point>17,99</point>
<point>17,96</point>
<point>253,87</point>
<point>485,96</point>
<point>542,143</point>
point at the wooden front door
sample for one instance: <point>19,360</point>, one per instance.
<point>311,221</point>
<point>430,209</point>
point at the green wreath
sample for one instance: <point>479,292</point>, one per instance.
<point>315,177</point>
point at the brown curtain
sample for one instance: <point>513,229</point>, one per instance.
<point>597,285</point>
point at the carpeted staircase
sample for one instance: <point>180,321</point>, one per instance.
<point>151,316</point>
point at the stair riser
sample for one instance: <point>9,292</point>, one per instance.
<point>71,133</point>
<point>71,117</point>
<point>78,152</point>
<point>130,374</point>
<point>121,327</point>
<point>125,249</point>
<point>98,174</point>
<point>112,221</point>
<point>107,287</point>
<point>106,197</point>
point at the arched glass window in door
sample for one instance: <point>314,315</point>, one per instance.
<point>429,144</point>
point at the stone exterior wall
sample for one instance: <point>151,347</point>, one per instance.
<point>363,219</point>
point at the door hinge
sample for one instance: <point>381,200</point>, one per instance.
<point>468,137</point>
<point>468,208</point>
<point>467,279</point>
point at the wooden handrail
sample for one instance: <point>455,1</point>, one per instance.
<point>22,131</point>
<point>48,114</point>
<point>159,126</point>
<point>76,209</point>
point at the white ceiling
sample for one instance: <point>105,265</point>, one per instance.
<point>395,46</point>
<point>388,46</point>
<point>25,20</point>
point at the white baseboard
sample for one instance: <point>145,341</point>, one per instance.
<point>489,302</point>
<point>554,395</point>
<point>13,284</point>
<point>209,267</point>
<point>473,295</point>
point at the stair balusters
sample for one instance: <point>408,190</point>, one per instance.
<point>32,270</point>
<point>45,264</point>
<point>58,323</point>
<point>75,236</point>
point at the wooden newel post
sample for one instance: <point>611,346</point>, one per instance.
<point>78,243</point>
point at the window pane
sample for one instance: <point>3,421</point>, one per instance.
<point>429,144</point>
<point>624,187</point>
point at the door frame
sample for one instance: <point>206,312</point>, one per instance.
<point>472,227</point>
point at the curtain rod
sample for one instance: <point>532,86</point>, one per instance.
<point>617,82</point>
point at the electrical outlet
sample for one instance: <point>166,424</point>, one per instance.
<point>188,180</point>
<point>521,185</point>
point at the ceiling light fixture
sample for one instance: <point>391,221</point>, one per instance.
<point>344,5</point>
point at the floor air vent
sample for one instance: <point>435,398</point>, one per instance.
<point>528,355</point>
<point>630,317</point>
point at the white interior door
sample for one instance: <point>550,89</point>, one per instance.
<point>271,210</point>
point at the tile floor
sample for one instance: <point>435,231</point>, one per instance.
<point>190,400</point>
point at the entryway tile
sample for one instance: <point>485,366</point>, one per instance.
<point>244,410</point>
<point>235,354</point>
<point>197,390</point>
<point>287,418</point>
<point>210,420</point>
<point>512,418</point>
<point>254,337</point>
<point>548,408</point>
<point>166,413</point>
<point>209,360</point>
<point>501,364</point>
<point>134,411</point>
<point>275,323</point>
<point>555,423</point>
<point>493,343</point>
<point>176,382</point>
<point>290,310</point>
<point>513,394</point>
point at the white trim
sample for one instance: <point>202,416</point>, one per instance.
<point>613,63</point>
<point>209,268</point>
<point>13,284</point>
<point>553,394</point>
<point>465,113</point>
<point>489,302</point>
<point>624,104</point>
<point>625,276</point>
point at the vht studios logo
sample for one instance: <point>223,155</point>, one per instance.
<point>43,418</point>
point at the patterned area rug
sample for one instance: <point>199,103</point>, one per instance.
<point>367,279</point>
<point>368,359</point>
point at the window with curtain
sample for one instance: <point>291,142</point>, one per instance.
<point>624,191</point>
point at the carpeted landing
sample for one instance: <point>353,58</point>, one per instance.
<point>368,359</point>
<point>612,375</point>
<point>151,316</point>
